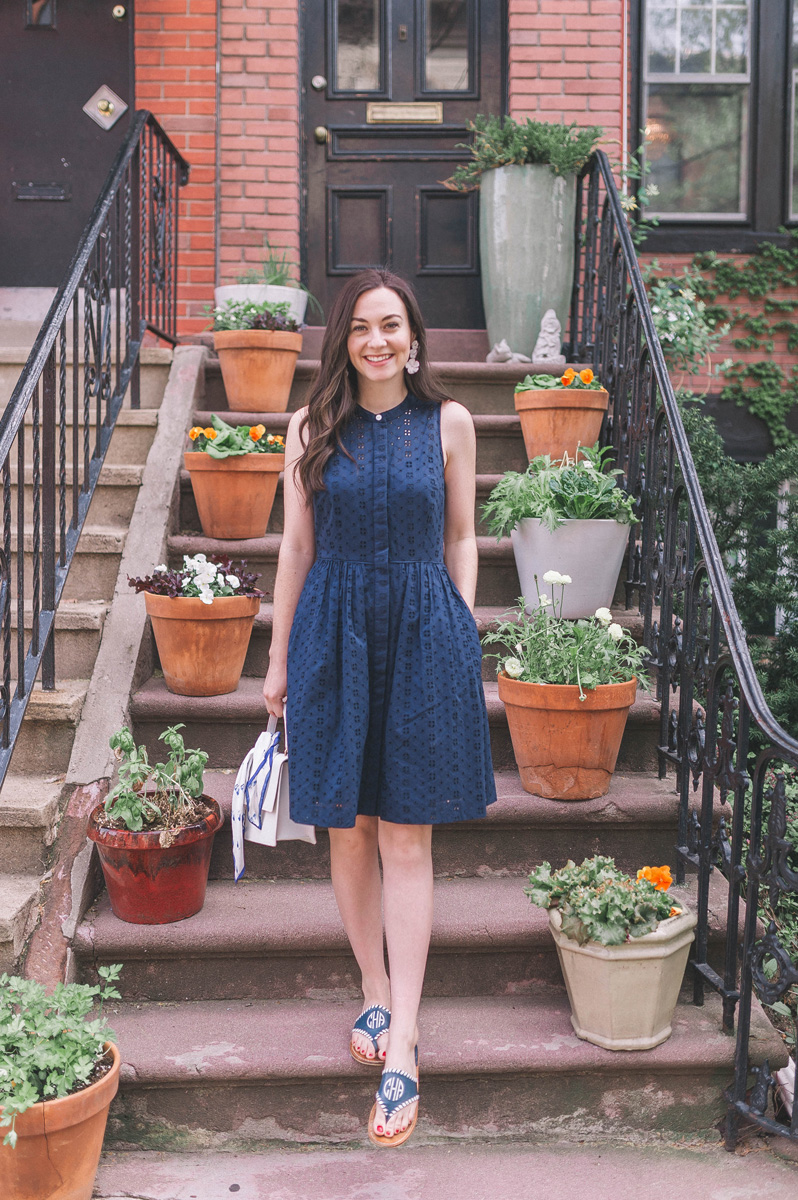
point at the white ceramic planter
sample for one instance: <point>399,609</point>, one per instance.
<point>260,293</point>
<point>591,552</point>
<point>623,997</point>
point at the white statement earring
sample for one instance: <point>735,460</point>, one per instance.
<point>412,364</point>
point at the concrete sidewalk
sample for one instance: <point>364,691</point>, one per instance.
<point>468,1172</point>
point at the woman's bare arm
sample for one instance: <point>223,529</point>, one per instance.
<point>460,458</point>
<point>297,554</point>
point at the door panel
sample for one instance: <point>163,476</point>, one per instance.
<point>53,157</point>
<point>388,88</point>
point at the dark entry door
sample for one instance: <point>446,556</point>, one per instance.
<point>388,86</point>
<point>54,56</point>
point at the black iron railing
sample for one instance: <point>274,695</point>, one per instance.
<point>716,730</point>
<point>55,430</point>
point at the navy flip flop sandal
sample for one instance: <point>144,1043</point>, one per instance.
<point>397,1090</point>
<point>373,1022</point>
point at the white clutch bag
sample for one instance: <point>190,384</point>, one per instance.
<point>260,799</point>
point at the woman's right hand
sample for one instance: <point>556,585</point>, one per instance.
<point>274,689</point>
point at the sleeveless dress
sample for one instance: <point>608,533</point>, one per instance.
<point>386,711</point>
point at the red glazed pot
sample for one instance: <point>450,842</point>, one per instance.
<point>151,884</point>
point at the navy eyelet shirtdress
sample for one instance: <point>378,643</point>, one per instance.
<point>386,712</point>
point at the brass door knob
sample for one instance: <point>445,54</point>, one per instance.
<point>320,134</point>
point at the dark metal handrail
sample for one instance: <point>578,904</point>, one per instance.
<point>697,644</point>
<point>126,267</point>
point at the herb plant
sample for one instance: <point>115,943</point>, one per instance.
<point>246,314</point>
<point>579,489</point>
<point>48,1048</point>
<point>160,795</point>
<point>599,903</point>
<point>500,141</point>
<point>220,440</point>
<point>544,647</point>
<point>583,380</point>
<point>200,577</point>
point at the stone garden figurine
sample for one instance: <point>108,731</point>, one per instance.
<point>549,343</point>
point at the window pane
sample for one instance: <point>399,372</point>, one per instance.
<point>661,39</point>
<point>696,41</point>
<point>357,67</point>
<point>731,41</point>
<point>40,14</point>
<point>446,51</point>
<point>697,145</point>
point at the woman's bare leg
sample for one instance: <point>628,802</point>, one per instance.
<point>406,852</point>
<point>356,882</point>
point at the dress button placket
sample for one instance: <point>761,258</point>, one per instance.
<point>382,589</point>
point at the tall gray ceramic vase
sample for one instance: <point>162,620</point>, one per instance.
<point>526,250</point>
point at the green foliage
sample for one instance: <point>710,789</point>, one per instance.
<point>536,383</point>
<point>597,902</point>
<point>568,489</point>
<point>160,795</point>
<point>231,441</point>
<point>246,314</point>
<point>276,270</point>
<point>689,331</point>
<point>772,395</point>
<point>500,141</point>
<point>543,647</point>
<point>48,1048</point>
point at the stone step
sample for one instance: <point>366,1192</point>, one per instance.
<point>78,631</point>
<point>18,895</point>
<point>635,823</point>
<point>497,582</point>
<point>130,442</point>
<point>238,1074</point>
<point>155,364</point>
<point>28,812</point>
<point>228,726</point>
<point>112,503</point>
<point>45,738</point>
<point>95,566</point>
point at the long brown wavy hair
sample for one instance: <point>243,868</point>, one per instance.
<point>333,395</point>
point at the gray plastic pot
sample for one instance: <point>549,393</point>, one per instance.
<point>591,552</point>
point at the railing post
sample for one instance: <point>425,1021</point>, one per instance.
<point>48,518</point>
<point>134,296</point>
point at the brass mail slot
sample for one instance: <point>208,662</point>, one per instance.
<point>424,112</point>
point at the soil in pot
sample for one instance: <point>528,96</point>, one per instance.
<point>257,367</point>
<point>152,883</point>
<point>234,495</point>
<point>557,421</point>
<point>591,552</point>
<point>59,1142</point>
<point>566,748</point>
<point>202,647</point>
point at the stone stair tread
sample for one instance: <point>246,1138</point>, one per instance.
<point>17,892</point>
<point>278,421</point>
<point>95,539</point>
<point>147,417</point>
<point>112,474</point>
<point>269,546</point>
<point>72,614</point>
<point>227,1042</point>
<point>63,703</point>
<point>29,801</point>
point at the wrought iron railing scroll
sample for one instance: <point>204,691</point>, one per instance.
<point>56,428</point>
<point>716,730</point>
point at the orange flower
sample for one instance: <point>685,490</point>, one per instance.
<point>675,912</point>
<point>660,876</point>
<point>210,434</point>
<point>586,376</point>
<point>257,431</point>
<point>567,380</point>
<point>195,432</point>
<point>569,373</point>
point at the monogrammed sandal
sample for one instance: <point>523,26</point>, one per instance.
<point>373,1022</point>
<point>397,1090</point>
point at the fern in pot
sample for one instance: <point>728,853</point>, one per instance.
<point>569,516</point>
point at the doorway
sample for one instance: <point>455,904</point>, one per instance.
<point>388,86</point>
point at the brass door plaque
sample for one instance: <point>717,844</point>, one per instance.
<point>423,112</point>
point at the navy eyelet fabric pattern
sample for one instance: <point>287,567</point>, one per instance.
<point>386,712</point>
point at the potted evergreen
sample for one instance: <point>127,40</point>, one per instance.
<point>272,282</point>
<point>154,832</point>
<point>258,345</point>
<point>234,472</point>
<point>568,516</point>
<point>622,945</point>
<point>526,173</point>
<point>559,413</point>
<point>202,615</point>
<point>59,1072</point>
<point>567,687</point>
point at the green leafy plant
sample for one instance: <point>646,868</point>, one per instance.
<point>277,269</point>
<point>246,314</point>
<point>688,330</point>
<point>543,647</point>
<point>578,381</point>
<point>220,440</point>
<point>599,903</point>
<point>500,141</point>
<point>165,795</point>
<point>48,1047</point>
<point>577,489</point>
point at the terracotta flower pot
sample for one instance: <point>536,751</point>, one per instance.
<point>590,551</point>
<point>623,997</point>
<point>234,495</point>
<point>58,1143</point>
<point>556,421</point>
<point>566,748</point>
<point>151,884</point>
<point>257,367</point>
<point>202,647</point>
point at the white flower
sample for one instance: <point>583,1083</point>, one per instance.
<point>206,596</point>
<point>233,581</point>
<point>604,615</point>
<point>615,631</point>
<point>543,600</point>
<point>672,316</point>
<point>566,579</point>
<point>652,189</point>
<point>198,558</point>
<point>588,465</point>
<point>161,567</point>
<point>551,577</point>
<point>655,308</point>
<point>204,578</point>
<point>519,649</point>
<point>513,668</point>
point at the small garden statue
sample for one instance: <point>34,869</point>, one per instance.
<point>549,343</point>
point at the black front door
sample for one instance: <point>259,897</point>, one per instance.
<point>55,55</point>
<point>388,86</point>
